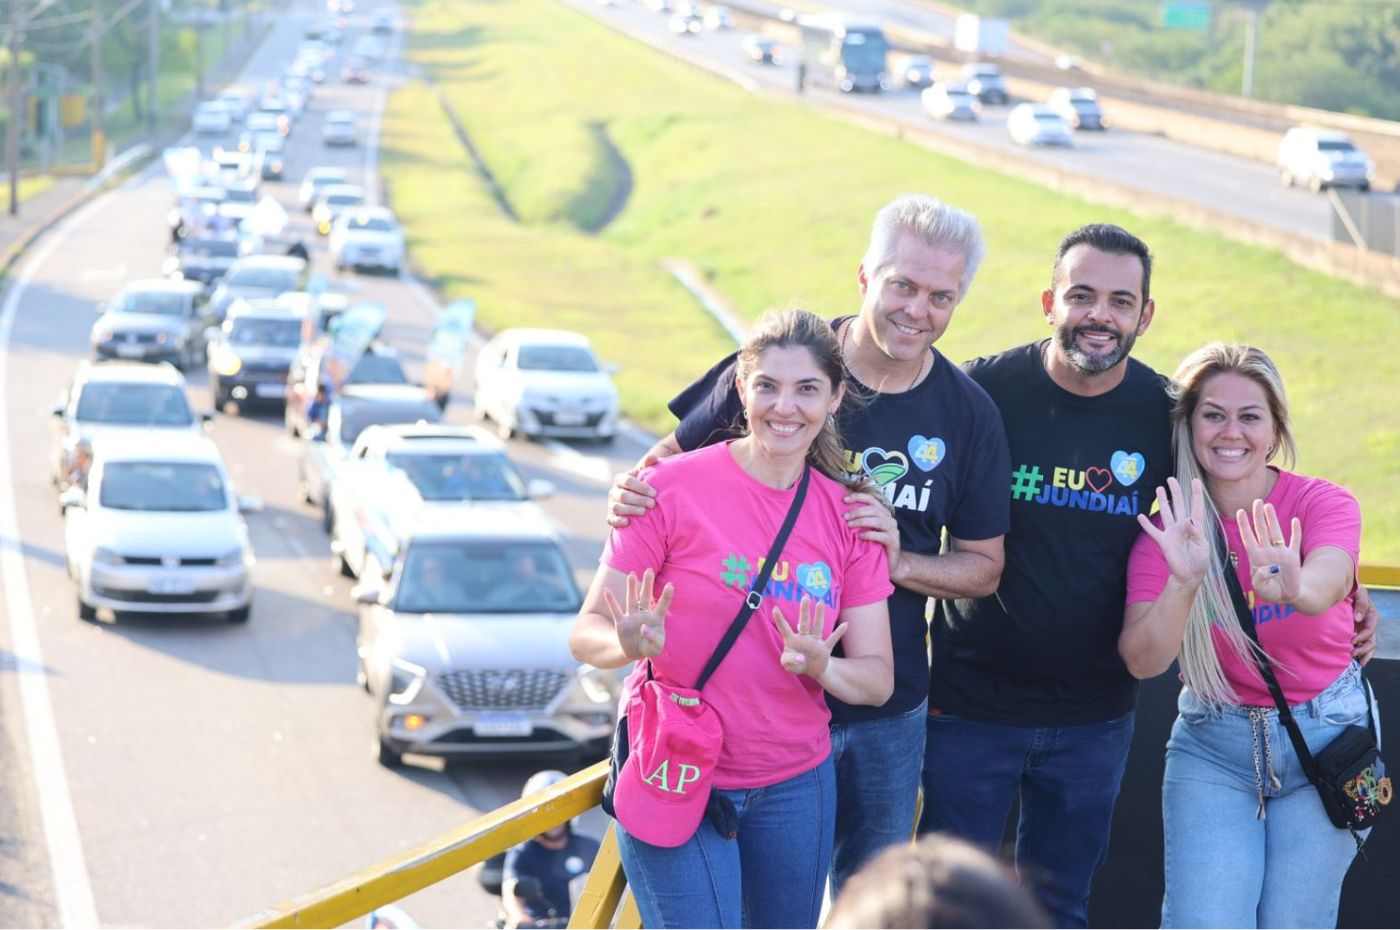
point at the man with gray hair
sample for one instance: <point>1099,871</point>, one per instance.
<point>933,442</point>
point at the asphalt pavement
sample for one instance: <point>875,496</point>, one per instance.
<point>1234,186</point>
<point>190,772</point>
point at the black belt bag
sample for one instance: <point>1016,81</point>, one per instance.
<point>1349,773</point>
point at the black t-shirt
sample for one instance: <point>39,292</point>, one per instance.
<point>553,868</point>
<point>1043,651</point>
<point>939,454</point>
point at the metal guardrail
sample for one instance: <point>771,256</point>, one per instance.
<point>604,902</point>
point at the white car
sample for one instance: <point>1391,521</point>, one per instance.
<point>1322,158</point>
<point>339,128</point>
<point>212,118</point>
<point>1037,124</point>
<point>367,237</point>
<point>334,200</point>
<point>544,382</point>
<point>1079,106</point>
<point>236,101</point>
<point>394,471</point>
<point>950,102</point>
<point>317,180</point>
<point>158,530</point>
<point>118,398</point>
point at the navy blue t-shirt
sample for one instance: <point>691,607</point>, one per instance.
<point>939,454</point>
<point>1043,650</point>
<point>554,869</point>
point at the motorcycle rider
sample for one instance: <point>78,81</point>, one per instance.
<point>535,889</point>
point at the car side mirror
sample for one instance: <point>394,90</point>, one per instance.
<point>538,489</point>
<point>366,593</point>
<point>248,504</point>
<point>74,498</point>
<point>56,411</point>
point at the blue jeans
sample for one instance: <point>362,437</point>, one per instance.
<point>877,787</point>
<point>771,875</point>
<point>1241,849</point>
<point>1067,779</point>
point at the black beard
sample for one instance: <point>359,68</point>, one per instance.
<point>1094,364</point>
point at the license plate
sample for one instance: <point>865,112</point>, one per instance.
<point>569,418</point>
<point>270,390</point>
<point>502,725</point>
<point>130,351</point>
<point>171,586</point>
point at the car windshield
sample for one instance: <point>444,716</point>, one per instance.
<point>326,180</point>
<point>863,51</point>
<point>1047,118</point>
<point>262,121</point>
<point>556,358</point>
<point>184,487</point>
<point>485,577</point>
<point>1335,145</point>
<point>1084,106</point>
<point>214,248</point>
<point>159,303</point>
<point>374,368</point>
<point>240,195</point>
<point>355,418</point>
<point>372,224</point>
<point>458,477</point>
<point>264,331</point>
<point>344,200</point>
<point>125,404</point>
<point>958,96</point>
<point>270,279</point>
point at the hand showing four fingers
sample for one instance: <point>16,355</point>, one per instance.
<point>1182,538</point>
<point>805,652</point>
<point>641,625</point>
<point>1276,563</point>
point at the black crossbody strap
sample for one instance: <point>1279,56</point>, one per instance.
<point>755,595</point>
<point>1266,668</point>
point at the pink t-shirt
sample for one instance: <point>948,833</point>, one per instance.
<point>1309,652</point>
<point>712,526</point>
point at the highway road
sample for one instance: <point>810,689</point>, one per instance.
<point>1235,186</point>
<point>191,772</point>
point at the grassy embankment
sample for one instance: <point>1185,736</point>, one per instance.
<point>773,201</point>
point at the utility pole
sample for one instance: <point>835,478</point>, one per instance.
<point>98,116</point>
<point>13,124</point>
<point>1251,38</point>
<point>153,62</point>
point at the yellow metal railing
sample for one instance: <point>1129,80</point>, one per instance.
<point>605,900</point>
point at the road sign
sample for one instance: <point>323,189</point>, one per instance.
<point>1186,14</point>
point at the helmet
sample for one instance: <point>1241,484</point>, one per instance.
<point>542,780</point>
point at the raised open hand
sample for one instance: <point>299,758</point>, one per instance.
<point>804,650</point>
<point>1276,564</point>
<point>1182,538</point>
<point>641,625</point>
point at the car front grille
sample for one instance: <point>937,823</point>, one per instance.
<point>513,689</point>
<point>546,418</point>
<point>159,560</point>
<point>146,597</point>
<point>134,338</point>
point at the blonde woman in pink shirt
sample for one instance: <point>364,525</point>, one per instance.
<point>1248,842</point>
<point>669,585</point>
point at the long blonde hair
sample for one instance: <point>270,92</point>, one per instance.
<point>1213,608</point>
<point>785,328</point>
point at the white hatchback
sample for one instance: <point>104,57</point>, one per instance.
<point>158,529</point>
<point>546,382</point>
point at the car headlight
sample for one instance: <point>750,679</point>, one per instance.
<point>405,681</point>
<point>104,556</point>
<point>162,338</point>
<point>225,363</point>
<point>231,559</point>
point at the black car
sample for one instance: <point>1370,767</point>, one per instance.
<point>250,356</point>
<point>205,260</point>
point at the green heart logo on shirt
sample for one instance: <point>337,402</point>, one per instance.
<point>884,467</point>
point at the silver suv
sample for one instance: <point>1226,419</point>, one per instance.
<point>464,647</point>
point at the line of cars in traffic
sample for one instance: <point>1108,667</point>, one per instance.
<point>464,593</point>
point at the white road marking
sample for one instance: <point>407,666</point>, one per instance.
<point>71,886</point>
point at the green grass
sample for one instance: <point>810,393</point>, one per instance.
<point>773,201</point>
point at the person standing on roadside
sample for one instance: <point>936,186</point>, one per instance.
<point>1028,696</point>
<point>933,443</point>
